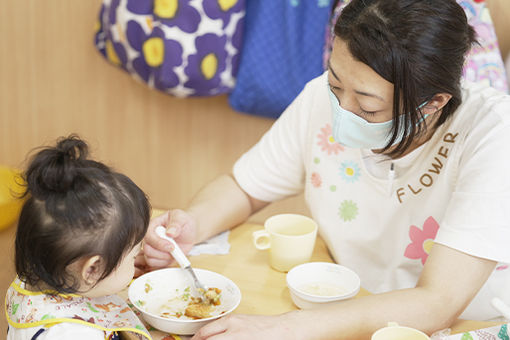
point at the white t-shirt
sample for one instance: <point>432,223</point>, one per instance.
<point>454,189</point>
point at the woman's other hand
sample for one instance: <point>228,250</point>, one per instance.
<point>247,327</point>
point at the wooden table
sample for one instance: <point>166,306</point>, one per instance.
<point>264,290</point>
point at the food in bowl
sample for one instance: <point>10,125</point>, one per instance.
<point>201,308</point>
<point>167,300</point>
<point>316,283</point>
<point>193,307</point>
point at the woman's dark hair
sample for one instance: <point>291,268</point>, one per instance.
<point>75,208</point>
<point>417,45</point>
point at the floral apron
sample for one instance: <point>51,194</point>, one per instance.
<point>26,309</point>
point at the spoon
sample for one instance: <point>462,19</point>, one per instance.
<point>501,307</point>
<point>181,259</point>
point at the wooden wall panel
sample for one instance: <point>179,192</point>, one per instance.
<point>54,83</point>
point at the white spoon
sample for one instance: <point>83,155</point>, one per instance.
<point>501,307</point>
<point>181,259</point>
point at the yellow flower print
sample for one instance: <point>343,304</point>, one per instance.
<point>148,21</point>
<point>110,53</point>
<point>225,5</point>
<point>153,51</point>
<point>209,66</point>
<point>166,8</point>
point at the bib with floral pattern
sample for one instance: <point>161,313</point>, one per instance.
<point>26,309</point>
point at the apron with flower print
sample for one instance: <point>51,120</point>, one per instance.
<point>27,309</point>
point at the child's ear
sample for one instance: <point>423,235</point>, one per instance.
<point>92,270</point>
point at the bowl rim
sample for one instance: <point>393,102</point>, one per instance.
<point>188,321</point>
<point>321,298</point>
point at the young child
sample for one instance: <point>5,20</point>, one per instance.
<point>78,234</point>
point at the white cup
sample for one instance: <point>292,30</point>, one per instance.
<point>396,332</point>
<point>290,238</point>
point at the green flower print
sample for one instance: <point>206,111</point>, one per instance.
<point>466,336</point>
<point>503,333</point>
<point>348,210</point>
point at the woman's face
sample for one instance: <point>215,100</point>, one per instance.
<point>359,88</point>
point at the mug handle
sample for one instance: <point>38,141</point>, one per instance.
<point>261,239</point>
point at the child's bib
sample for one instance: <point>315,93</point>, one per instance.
<point>26,309</point>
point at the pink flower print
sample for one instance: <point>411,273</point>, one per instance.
<point>502,267</point>
<point>327,142</point>
<point>422,240</point>
<point>316,180</point>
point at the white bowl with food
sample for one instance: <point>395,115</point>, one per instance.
<point>314,284</point>
<point>168,301</point>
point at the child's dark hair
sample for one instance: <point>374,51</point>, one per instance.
<point>75,208</point>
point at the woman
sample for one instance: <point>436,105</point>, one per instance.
<point>402,167</point>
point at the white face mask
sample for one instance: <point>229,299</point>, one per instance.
<point>351,130</point>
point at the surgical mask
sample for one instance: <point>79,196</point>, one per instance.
<point>351,130</point>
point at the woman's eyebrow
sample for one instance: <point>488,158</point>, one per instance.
<point>333,72</point>
<point>358,92</point>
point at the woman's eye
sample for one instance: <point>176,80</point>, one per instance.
<point>368,113</point>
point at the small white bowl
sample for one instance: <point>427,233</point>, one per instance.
<point>152,290</point>
<point>317,283</point>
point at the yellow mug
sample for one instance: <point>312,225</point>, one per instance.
<point>396,332</point>
<point>290,239</point>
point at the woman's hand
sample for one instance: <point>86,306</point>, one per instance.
<point>219,206</point>
<point>247,327</point>
<point>156,251</point>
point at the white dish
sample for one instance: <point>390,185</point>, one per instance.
<point>152,291</point>
<point>316,283</point>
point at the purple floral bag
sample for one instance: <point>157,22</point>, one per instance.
<point>180,47</point>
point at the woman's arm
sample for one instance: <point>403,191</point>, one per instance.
<point>449,281</point>
<point>219,206</point>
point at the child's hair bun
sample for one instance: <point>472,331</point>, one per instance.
<point>57,169</point>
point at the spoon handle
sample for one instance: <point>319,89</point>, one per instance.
<point>501,307</point>
<point>181,259</point>
<point>177,253</point>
